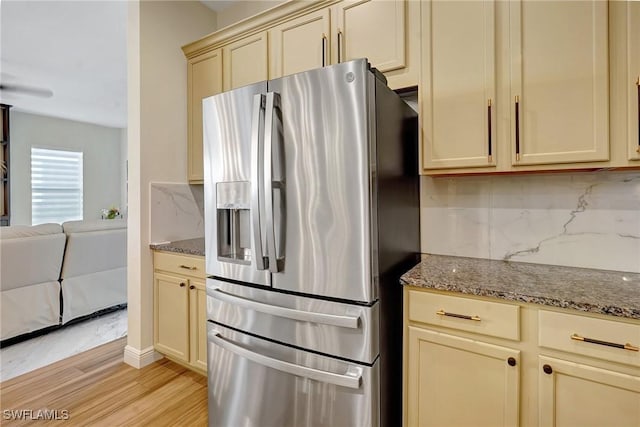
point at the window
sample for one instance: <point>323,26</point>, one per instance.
<point>56,186</point>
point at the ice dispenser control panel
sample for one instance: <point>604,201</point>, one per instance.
<point>234,226</point>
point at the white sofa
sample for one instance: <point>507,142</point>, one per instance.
<point>30,262</point>
<point>94,272</point>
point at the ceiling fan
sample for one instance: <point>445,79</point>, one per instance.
<point>24,89</point>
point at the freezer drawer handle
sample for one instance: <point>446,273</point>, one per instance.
<point>352,378</point>
<point>351,322</point>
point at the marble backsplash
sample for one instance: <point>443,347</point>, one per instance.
<point>589,220</point>
<point>177,212</point>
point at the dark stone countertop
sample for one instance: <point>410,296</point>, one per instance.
<point>188,246</point>
<point>613,293</point>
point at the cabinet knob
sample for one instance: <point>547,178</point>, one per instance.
<point>182,285</point>
<point>192,287</point>
<point>547,369</point>
<point>511,361</point>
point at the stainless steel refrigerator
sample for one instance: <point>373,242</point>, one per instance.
<point>312,213</point>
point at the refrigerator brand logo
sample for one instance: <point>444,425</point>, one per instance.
<point>350,77</point>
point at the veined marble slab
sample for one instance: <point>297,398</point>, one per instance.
<point>589,220</point>
<point>177,212</point>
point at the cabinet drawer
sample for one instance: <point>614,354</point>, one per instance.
<point>466,314</point>
<point>180,264</point>
<point>603,339</point>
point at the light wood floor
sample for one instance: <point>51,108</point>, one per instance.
<point>97,388</point>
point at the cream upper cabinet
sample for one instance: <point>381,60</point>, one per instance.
<point>386,32</point>
<point>454,381</point>
<point>300,44</point>
<point>559,81</point>
<point>374,29</point>
<point>528,79</point>
<point>204,78</point>
<point>573,394</point>
<point>632,81</point>
<point>458,74</point>
<point>245,61</point>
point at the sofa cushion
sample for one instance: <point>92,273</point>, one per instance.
<point>18,231</point>
<point>30,255</point>
<point>95,225</point>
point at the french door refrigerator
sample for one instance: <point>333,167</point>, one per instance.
<point>312,213</point>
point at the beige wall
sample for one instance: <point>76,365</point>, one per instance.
<point>100,146</point>
<point>244,9</point>
<point>157,77</point>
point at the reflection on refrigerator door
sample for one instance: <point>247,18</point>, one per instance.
<point>259,383</point>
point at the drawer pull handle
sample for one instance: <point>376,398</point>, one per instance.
<point>547,369</point>
<point>489,147</point>
<point>459,316</point>
<point>626,346</point>
<point>186,267</point>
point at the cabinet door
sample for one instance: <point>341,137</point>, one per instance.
<point>560,84</point>
<point>458,82</point>
<point>300,44</point>
<point>633,78</point>
<point>198,324</point>
<point>204,78</point>
<point>171,315</point>
<point>373,29</point>
<point>572,394</point>
<point>454,381</point>
<point>245,61</point>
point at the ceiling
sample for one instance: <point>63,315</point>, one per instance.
<point>76,49</point>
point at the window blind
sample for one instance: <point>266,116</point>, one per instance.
<point>56,186</point>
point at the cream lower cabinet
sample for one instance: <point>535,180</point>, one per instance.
<point>581,376</point>
<point>573,394</point>
<point>454,381</point>
<point>472,361</point>
<point>180,316</point>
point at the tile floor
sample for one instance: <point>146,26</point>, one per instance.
<point>37,352</point>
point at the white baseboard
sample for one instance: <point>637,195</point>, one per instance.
<point>140,358</point>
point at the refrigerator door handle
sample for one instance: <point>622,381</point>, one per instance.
<point>351,322</point>
<point>350,379</point>
<point>273,104</point>
<point>257,123</point>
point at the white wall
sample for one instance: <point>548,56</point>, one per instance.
<point>101,154</point>
<point>589,220</point>
<point>123,172</point>
<point>244,9</point>
<point>157,80</point>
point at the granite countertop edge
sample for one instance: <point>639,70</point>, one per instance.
<point>187,246</point>
<point>419,276</point>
